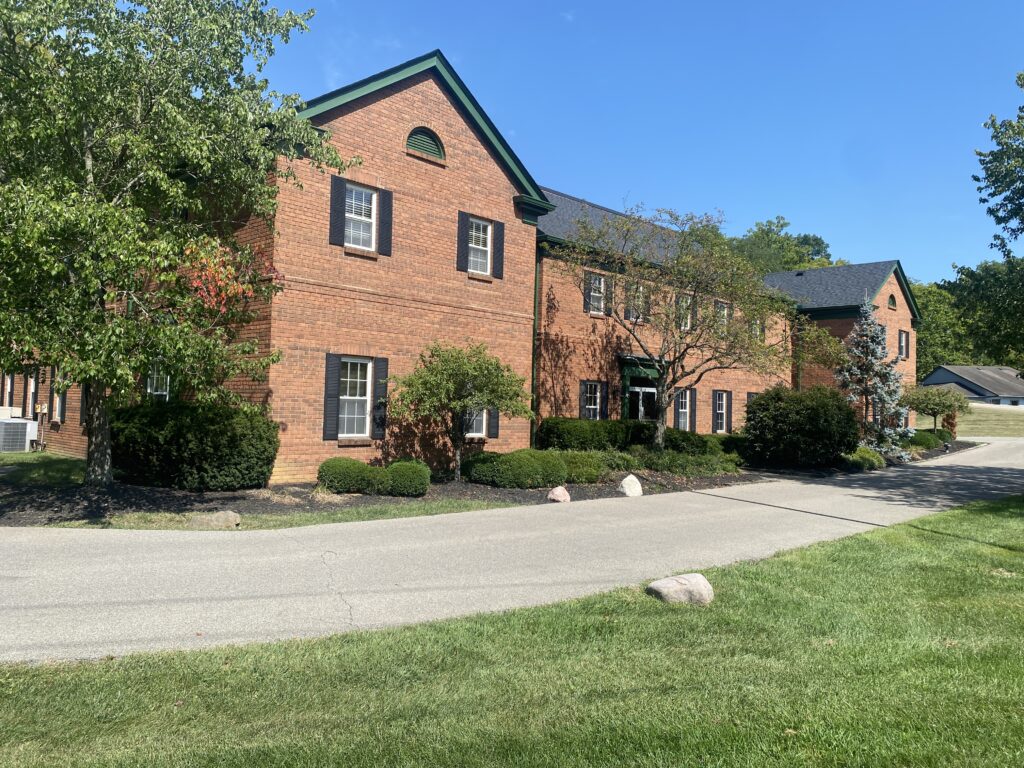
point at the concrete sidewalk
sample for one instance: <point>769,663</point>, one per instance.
<point>77,593</point>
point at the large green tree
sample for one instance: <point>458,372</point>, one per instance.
<point>990,299</point>
<point>943,335</point>
<point>770,247</point>
<point>135,139</point>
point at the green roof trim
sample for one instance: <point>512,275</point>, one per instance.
<point>904,283</point>
<point>531,199</point>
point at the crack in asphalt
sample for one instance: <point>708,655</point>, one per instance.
<point>333,583</point>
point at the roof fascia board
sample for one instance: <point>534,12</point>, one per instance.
<point>901,279</point>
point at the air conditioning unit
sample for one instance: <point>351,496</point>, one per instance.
<point>16,435</point>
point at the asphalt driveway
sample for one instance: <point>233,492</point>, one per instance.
<point>76,593</point>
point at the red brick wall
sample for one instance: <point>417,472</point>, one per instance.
<point>393,306</point>
<point>574,346</point>
<point>66,437</point>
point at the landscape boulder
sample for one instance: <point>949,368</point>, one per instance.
<point>630,486</point>
<point>224,520</point>
<point>690,588</point>
<point>559,495</point>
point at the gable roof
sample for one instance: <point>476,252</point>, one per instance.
<point>531,199</point>
<point>844,287</point>
<point>560,224</point>
<point>999,380</point>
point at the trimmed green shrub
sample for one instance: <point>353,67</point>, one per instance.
<point>194,446</point>
<point>944,435</point>
<point>688,442</point>
<point>610,434</point>
<point>863,460</point>
<point>583,466</point>
<point>409,478</point>
<point>620,461</point>
<point>526,468</point>
<point>343,475</point>
<point>735,442</point>
<point>925,440</point>
<point>685,464</point>
<point>810,428</point>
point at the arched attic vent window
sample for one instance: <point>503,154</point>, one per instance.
<point>892,301</point>
<point>425,142</point>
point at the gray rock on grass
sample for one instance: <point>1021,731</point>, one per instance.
<point>690,588</point>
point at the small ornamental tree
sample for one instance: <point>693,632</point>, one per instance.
<point>688,304</point>
<point>451,384</point>
<point>872,381</point>
<point>135,139</point>
<point>935,402</point>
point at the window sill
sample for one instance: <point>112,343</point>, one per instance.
<point>360,253</point>
<point>478,440</point>
<point>598,314</point>
<point>426,158</point>
<point>354,442</point>
<point>480,277</point>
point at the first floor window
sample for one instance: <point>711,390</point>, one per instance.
<point>158,383</point>
<point>360,217</point>
<point>480,246</point>
<point>720,411</point>
<point>592,400</point>
<point>9,390</point>
<point>354,398</point>
<point>476,424</point>
<point>904,344</point>
<point>595,293</point>
<point>684,409</point>
<point>31,395</point>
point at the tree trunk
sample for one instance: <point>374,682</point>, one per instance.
<point>458,438</point>
<point>661,401</point>
<point>97,419</point>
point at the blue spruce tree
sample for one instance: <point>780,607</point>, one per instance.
<point>874,385</point>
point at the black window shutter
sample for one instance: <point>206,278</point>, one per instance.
<point>678,407</point>
<point>588,281</point>
<point>49,409</point>
<point>380,398</point>
<point>728,411</point>
<point>332,390</point>
<point>336,235</point>
<point>64,405</point>
<point>609,295</point>
<point>384,214</point>
<point>693,409</point>
<point>583,399</point>
<point>604,400</point>
<point>498,250</point>
<point>492,422</point>
<point>462,248</point>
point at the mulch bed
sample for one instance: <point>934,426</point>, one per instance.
<point>24,506</point>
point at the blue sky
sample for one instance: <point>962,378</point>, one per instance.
<point>856,121</point>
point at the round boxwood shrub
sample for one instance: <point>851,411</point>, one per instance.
<point>193,446</point>
<point>409,478</point>
<point>810,428</point>
<point>926,440</point>
<point>687,442</point>
<point>864,459</point>
<point>344,475</point>
<point>583,466</point>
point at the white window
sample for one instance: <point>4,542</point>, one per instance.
<point>720,407</point>
<point>904,344</point>
<point>360,217</point>
<point>158,383</point>
<point>31,387</point>
<point>480,246</point>
<point>757,329</point>
<point>635,305</point>
<point>354,398</point>
<point>723,311</point>
<point>596,293</point>
<point>60,399</point>
<point>592,400</point>
<point>10,390</point>
<point>686,313</point>
<point>476,424</point>
<point>684,409</point>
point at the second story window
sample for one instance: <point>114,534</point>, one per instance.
<point>360,217</point>
<point>723,312</point>
<point>480,246</point>
<point>594,293</point>
<point>158,383</point>
<point>687,311</point>
<point>904,344</point>
<point>635,304</point>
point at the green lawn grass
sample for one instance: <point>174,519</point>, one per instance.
<point>897,647</point>
<point>41,469</point>
<point>384,511</point>
<point>991,421</point>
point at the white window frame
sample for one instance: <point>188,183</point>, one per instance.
<point>482,415</point>
<point>471,249</point>
<point>595,279</point>
<point>59,400</point>
<point>153,380</point>
<point>723,312</point>
<point>9,392</point>
<point>720,407</point>
<point>372,220</point>
<point>367,398</point>
<point>904,345</point>
<point>757,329</point>
<point>684,409</point>
<point>592,389</point>
<point>635,304</point>
<point>686,303</point>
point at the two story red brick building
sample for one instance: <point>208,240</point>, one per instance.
<point>433,237</point>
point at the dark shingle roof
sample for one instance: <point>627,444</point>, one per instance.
<point>832,287</point>
<point>561,222</point>
<point>997,379</point>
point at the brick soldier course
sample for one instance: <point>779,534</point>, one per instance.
<point>433,237</point>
